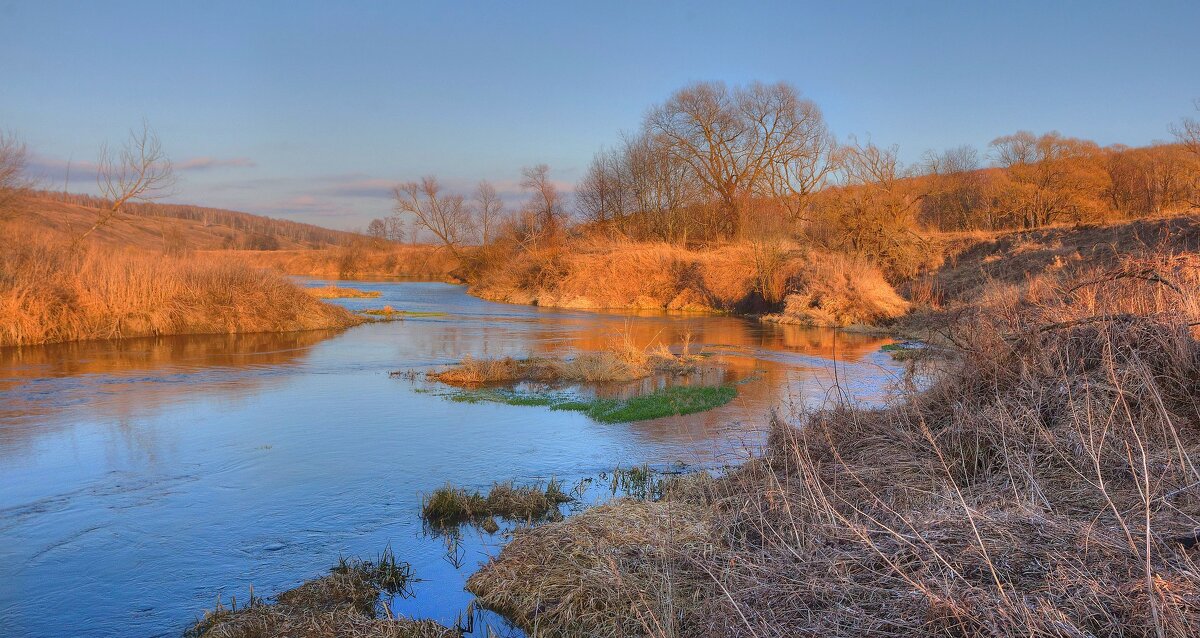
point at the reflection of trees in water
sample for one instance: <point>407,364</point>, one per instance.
<point>122,380</point>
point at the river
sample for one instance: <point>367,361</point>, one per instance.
<point>142,478</point>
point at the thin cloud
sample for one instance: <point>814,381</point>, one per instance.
<point>209,163</point>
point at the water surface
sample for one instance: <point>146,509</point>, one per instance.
<point>142,478</point>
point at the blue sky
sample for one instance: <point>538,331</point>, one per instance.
<point>310,110</point>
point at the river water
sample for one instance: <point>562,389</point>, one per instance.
<point>141,479</point>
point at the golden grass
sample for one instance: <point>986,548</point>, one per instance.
<point>622,360</point>
<point>338,292</point>
<point>1045,485</point>
<point>838,291</point>
<point>50,293</point>
<point>820,288</point>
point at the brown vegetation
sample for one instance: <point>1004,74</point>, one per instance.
<point>1044,485</point>
<point>621,361</point>
<point>356,259</point>
<point>339,292</point>
<point>167,228</point>
<point>52,292</point>
<point>342,603</point>
<point>745,277</point>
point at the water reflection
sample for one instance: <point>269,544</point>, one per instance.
<point>138,478</point>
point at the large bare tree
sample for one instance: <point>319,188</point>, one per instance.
<point>443,214</point>
<point>139,172</point>
<point>14,157</point>
<point>761,140</point>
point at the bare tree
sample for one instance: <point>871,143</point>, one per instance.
<point>1187,133</point>
<point>14,157</point>
<point>440,213</point>
<point>754,141</point>
<point>377,229</point>
<point>545,209</point>
<point>488,210</point>
<point>395,228</point>
<point>139,172</point>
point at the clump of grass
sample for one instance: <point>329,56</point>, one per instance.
<point>338,292</point>
<point>388,312</point>
<point>343,602</point>
<point>906,350</point>
<point>451,506</point>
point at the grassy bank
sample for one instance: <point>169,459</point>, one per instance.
<point>805,286</point>
<point>51,292</point>
<point>1045,485</point>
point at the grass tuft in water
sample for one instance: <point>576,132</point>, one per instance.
<point>451,506</point>
<point>388,312</point>
<point>338,292</point>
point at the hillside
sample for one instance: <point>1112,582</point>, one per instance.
<point>1012,259</point>
<point>175,227</point>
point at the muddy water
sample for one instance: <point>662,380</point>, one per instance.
<point>140,479</point>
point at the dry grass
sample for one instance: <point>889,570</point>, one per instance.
<point>1045,485</point>
<point>388,260</point>
<point>341,604</point>
<point>743,277</point>
<point>622,360</point>
<point>839,291</point>
<point>50,293</point>
<point>338,292</point>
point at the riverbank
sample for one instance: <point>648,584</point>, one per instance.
<point>53,292</point>
<point>798,286</point>
<point>1044,485</point>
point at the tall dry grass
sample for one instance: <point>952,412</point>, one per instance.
<point>1045,485</point>
<point>741,277</point>
<point>51,293</point>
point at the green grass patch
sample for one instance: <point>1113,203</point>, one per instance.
<point>671,401</point>
<point>905,350</point>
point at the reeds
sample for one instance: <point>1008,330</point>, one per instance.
<point>51,293</point>
<point>1045,485</point>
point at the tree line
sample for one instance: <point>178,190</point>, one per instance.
<point>715,163</point>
